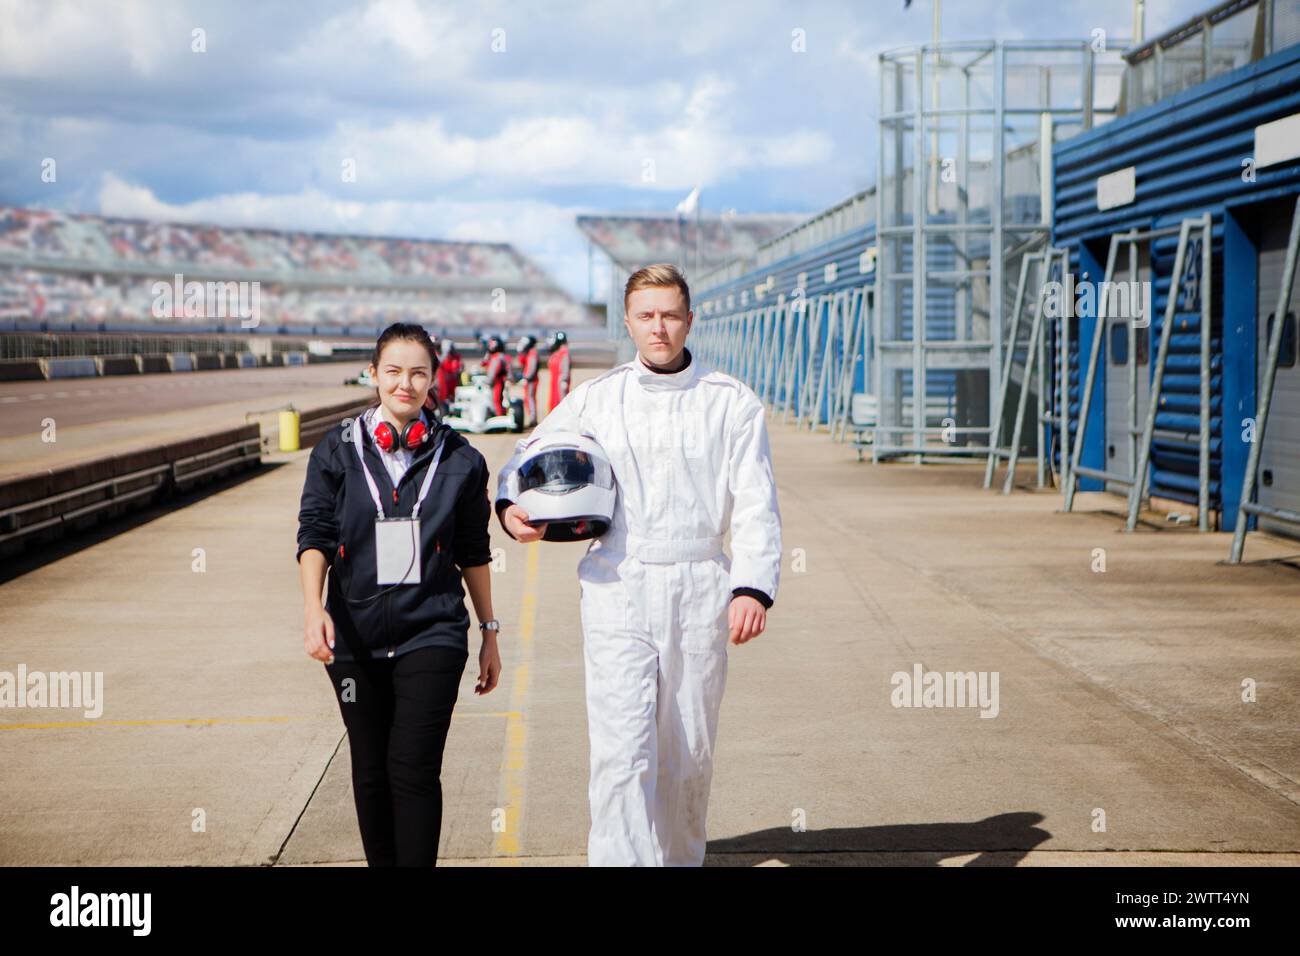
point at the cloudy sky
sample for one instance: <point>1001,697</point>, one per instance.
<point>482,120</point>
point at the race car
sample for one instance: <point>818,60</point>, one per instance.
<point>471,409</point>
<point>363,378</point>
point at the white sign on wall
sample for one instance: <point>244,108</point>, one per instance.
<point>1117,189</point>
<point>1278,141</point>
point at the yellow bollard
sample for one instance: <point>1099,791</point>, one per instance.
<point>289,431</point>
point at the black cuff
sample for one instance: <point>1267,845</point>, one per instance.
<point>501,505</point>
<point>759,596</point>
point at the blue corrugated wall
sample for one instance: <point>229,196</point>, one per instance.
<point>1188,152</point>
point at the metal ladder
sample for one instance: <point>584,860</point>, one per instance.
<point>1140,439</point>
<point>1248,507</point>
<point>1202,436</point>
<point>1033,358</point>
<point>1071,483</point>
<point>855,352</point>
<point>1054,404</point>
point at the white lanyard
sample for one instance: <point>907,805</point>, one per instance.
<point>370,480</point>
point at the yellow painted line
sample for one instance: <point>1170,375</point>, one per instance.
<point>508,714</point>
<point>514,762</point>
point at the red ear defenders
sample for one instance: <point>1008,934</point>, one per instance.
<point>415,434</point>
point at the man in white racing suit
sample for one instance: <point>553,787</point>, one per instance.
<point>659,596</point>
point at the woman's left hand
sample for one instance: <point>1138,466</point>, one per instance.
<point>489,664</point>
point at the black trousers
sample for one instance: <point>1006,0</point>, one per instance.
<point>397,711</point>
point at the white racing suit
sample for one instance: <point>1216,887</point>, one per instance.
<point>690,456</point>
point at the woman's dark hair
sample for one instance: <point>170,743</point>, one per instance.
<point>410,332</point>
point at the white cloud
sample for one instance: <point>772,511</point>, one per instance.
<point>59,39</point>
<point>576,149</point>
<point>421,41</point>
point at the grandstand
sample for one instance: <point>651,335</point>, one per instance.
<point>67,272</point>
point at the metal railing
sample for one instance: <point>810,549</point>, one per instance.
<point>1210,44</point>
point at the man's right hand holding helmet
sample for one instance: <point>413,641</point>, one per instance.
<point>561,477</point>
<point>515,518</point>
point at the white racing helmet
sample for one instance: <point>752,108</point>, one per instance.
<point>566,481</point>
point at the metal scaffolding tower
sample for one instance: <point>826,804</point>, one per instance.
<point>964,193</point>
<point>894,331</point>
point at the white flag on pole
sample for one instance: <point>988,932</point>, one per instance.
<point>688,206</point>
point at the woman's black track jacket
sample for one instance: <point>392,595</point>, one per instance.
<point>337,517</point>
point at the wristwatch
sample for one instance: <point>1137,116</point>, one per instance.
<point>492,625</point>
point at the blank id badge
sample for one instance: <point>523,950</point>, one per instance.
<point>397,551</point>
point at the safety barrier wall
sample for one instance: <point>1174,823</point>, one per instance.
<point>89,366</point>
<point>22,370</point>
<point>314,423</point>
<point>118,364</point>
<point>69,367</point>
<point>44,506</point>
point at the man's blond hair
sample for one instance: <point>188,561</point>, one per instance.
<point>657,276</point>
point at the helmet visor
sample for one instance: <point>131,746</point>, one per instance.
<point>560,470</point>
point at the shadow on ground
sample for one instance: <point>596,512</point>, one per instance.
<point>1001,840</point>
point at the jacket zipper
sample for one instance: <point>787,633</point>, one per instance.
<point>388,628</point>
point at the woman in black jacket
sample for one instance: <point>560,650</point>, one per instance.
<point>395,507</point>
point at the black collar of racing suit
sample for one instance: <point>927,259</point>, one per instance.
<point>670,371</point>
